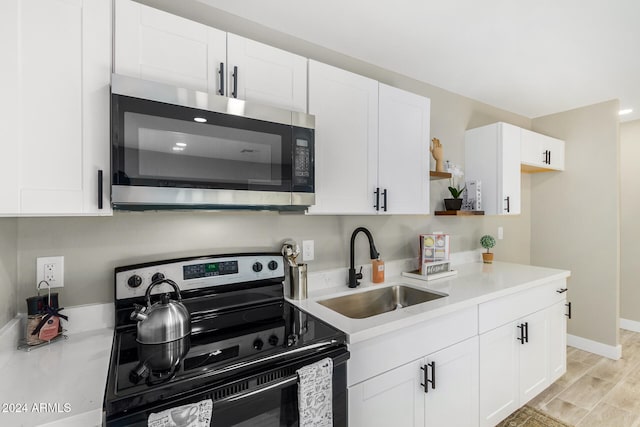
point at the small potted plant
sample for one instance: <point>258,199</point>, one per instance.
<point>487,242</point>
<point>455,203</point>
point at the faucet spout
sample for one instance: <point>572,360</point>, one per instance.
<point>373,253</point>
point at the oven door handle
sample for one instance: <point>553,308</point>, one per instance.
<point>277,356</point>
<point>291,380</point>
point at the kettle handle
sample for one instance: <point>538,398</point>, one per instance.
<point>159,282</point>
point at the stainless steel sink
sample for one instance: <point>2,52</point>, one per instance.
<point>377,301</point>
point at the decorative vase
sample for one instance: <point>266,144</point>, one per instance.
<point>487,257</point>
<point>452,204</point>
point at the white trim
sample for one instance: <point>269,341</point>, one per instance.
<point>630,325</point>
<point>610,351</point>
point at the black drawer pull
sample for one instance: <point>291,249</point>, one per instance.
<point>100,179</point>
<point>384,198</point>
<point>562,291</point>
<point>221,72</point>
<point>521,337</point>
<point>235,82</point>
<point>377,194</point>
<point>568,314</point>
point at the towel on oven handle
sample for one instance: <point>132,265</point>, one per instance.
<point>315,394</point>
<point>196,414</point>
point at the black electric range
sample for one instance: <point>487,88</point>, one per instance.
<point>245,347</point>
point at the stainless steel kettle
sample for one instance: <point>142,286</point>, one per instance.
<point>165,321</point>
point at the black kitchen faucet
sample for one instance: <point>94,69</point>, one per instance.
<point>373,252</point>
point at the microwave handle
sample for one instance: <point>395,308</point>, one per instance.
<point>221,72</point>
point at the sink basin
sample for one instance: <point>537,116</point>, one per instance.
<point>378,301</point>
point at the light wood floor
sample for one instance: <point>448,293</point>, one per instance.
<point>597,391</point>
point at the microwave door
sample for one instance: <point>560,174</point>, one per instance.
<point>200,157</point>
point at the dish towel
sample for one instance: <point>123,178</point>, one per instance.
<point>315,393</point>
<point>192,415</point>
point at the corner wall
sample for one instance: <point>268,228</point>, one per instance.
<point>629,225</point>
<point>8,269</point>
<point>575,217</point>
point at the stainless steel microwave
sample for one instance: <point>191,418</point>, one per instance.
<point>176,148</point>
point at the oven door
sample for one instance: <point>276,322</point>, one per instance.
<point>166,154</point>
<point>266,399</point>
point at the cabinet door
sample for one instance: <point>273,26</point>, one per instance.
<point>509,163</point>
<point>534,370</point>
<point>454,399</point>
<point>60,118</point>
<point>403,162</point>
<point>154,45</point>
<point>531,152</point>
<point>557,340</point>
<point>492,156</point>
<point>346,140</point>
<point>394,398</point>
<point>266,75</point>
<point>499,367</point>
<point>556,152</point>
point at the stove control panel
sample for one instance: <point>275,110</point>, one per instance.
<point>197,273</point>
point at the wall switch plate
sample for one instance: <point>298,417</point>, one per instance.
<point>500,233</point>
<point>308,252</point>
<point>50,269</point>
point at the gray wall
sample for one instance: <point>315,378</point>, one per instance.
<point>629,224</point>
<point>92,247</point>
<point>8,268</point>
<point>575,216</point>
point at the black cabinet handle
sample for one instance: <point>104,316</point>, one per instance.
<point>377,194</point>
<point>221,72</point>
<point>521,337</point>
<point>568,314</point>
<point>384,198</point>
<point>544,154</point>
<point>549,162</point>
<point>235,82</point>
<point>426,380</point>
<point>508,208</point>
<point>526,331</point>
<point>100,189</point>
<point>562,290</point>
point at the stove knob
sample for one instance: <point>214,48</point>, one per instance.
<point>157,276</point>
<point>273,340</point>
<point>257,267</point>
<point>134,281</point>
<point>258,344</point>
<point>272,265</point>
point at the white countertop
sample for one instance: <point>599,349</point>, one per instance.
<point>60,384</point>
<point>475,283</point>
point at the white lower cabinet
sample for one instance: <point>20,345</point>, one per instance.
<point>436,390</point>
<point>520,359</point>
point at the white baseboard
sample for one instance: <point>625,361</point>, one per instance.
<point>630,325</point>
<point>610,351</point>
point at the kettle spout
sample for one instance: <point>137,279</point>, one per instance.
<point>139,313</point>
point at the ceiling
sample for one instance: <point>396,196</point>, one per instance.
<point>530,57</point>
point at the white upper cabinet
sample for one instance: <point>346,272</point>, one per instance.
<point>54,111</point>
<point>403,147</point>
<point>371,145</point>
<point>262,73</point>
<point>541,153</point>
<point>492,155</point>
<point>155,45</point>
<point>346,140</point>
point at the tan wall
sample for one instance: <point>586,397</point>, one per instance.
<point>94,246</point>
<point>8,268</point>
<point>575,216</point>
<point>629,223</point>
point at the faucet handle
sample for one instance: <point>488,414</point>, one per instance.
<point>359,274</point>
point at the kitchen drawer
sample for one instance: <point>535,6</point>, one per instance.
<point>494,313</point>
<point>388,351</point>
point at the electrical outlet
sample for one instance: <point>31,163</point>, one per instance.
<point>51,270</point>
<point>308,252</point>
<point>500,233</point>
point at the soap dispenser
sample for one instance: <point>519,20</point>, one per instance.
<point>377,270</point>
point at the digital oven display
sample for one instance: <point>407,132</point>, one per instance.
<point>198,271</point>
